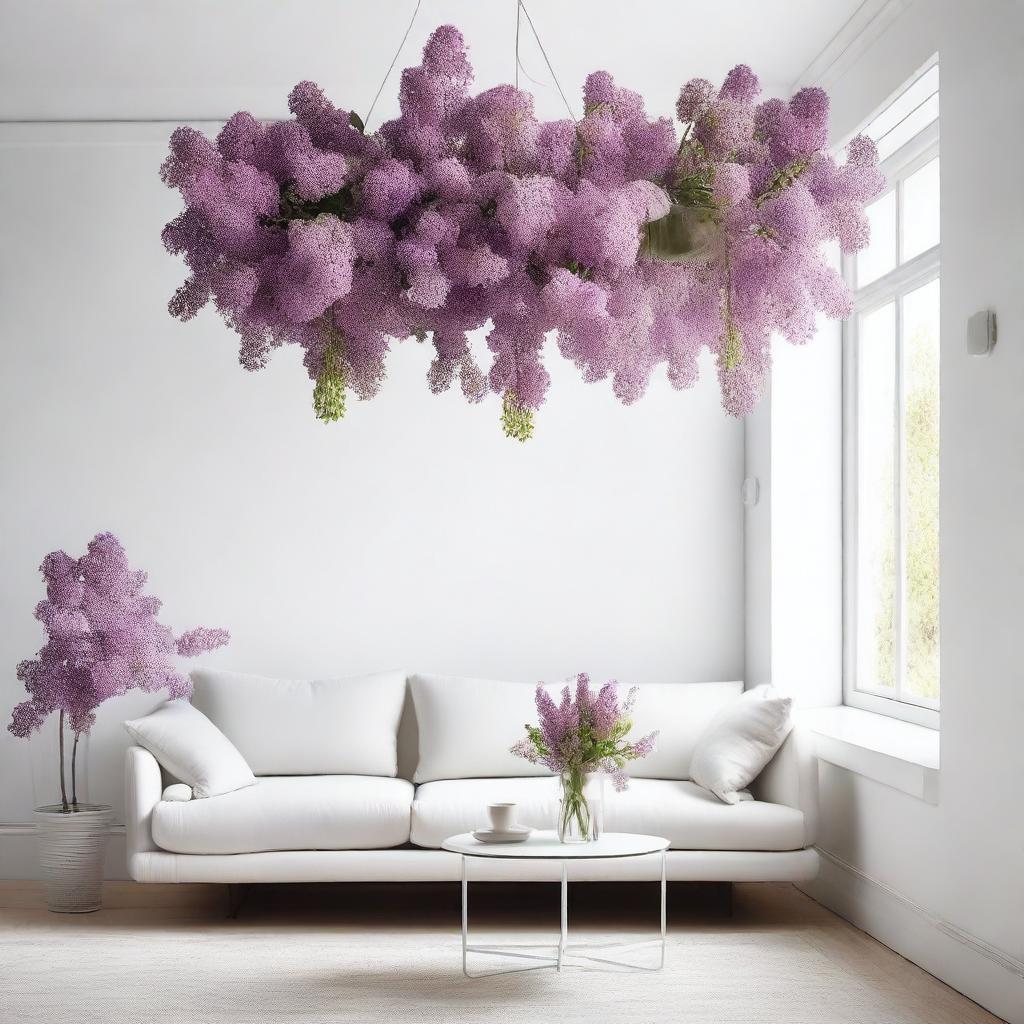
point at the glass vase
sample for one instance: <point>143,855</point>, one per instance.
<point>685,233</point>
<point>580,807</point>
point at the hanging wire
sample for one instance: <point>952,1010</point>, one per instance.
<point>519,63</point>
<point>519,11</point>
<point>533,29</point>
<point>394,61</point>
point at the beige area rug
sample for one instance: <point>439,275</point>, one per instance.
<point>225,973</point>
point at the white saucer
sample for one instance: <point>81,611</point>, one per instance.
<point>517,834</point>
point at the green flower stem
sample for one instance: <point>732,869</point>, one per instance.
<point>516,418</point>
<point>575,808</point>
<point>732,354</point>
<point>782,179</point>
<point>329,392</point>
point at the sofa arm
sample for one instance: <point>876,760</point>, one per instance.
<point>143,787</point>
<point>791,778</point>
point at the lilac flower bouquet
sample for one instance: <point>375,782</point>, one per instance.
<point>636,242</point>
<point>103,639</point>
<point>582,735</point>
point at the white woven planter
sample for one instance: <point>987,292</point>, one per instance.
<point>71,849</point>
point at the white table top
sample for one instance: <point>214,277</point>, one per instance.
<point>545,846</point>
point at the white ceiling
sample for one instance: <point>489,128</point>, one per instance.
<point>197,59</point>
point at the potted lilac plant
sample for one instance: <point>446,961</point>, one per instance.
<point>582,738</point>
<point>103,639</point>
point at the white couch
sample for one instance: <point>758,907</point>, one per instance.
<point>362,780</point>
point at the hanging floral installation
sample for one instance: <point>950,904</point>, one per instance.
<point>636,243</point>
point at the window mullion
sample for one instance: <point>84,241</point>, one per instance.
<point>851,338</point>
<point>899,223</point>
<point>898,465</point>
<point>920,270</point>
<point>899,452</point>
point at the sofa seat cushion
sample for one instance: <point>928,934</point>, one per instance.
<point>688,816</point>
<point>691,818</point>
<point>451,806</point>
<point>305,812</point>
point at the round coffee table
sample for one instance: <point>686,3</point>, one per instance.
<point>545,846</point>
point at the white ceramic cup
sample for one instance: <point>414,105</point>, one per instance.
<point>503,816</point>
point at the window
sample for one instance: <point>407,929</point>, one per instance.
<point>891,464</point>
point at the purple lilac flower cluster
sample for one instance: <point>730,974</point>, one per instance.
<point>468,210</point>
<point>103,639</point>
<point>585,732</point>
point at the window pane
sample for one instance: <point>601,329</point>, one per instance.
<point>921,210</point>
<point>876,505</point>
<point>880,255</point>
<point>916,121</point>
<point>921,490</point>
<point>913,98</point>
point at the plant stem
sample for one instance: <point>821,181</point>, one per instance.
<point>63,789</point>
<point>74,781</point>
<point>329,392</point>
<point>574,803</point>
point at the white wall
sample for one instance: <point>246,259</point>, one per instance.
<point>413,534</point>
<point>793,557</point>
<point>943,884</point>
<point>147,58</point>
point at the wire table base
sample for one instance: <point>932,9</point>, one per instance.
<point>595,956</point>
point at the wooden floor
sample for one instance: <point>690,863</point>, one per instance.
<point>770,911</point>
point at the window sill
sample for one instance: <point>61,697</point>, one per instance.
<point>895,753</point>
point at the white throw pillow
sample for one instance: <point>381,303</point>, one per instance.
<point>466,727</point>
<point>306,726</point>
<point>739,741</point>
<point>192,749</point>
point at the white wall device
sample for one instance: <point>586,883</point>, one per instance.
<point>751,491</point>
<point>981,333</point>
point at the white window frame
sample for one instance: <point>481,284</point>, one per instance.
<point>890,287</point>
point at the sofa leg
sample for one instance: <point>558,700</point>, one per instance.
<point>727,899</point>
<point>236,897</point>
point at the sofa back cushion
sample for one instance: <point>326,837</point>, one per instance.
<point>306,726</point>
<point>680,712</point>
<point>466,726</point>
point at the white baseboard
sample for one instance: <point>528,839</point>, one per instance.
<point>20,828</point>
<point>181,899</point>
<point>986,974</point>
<point>19,857</point>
